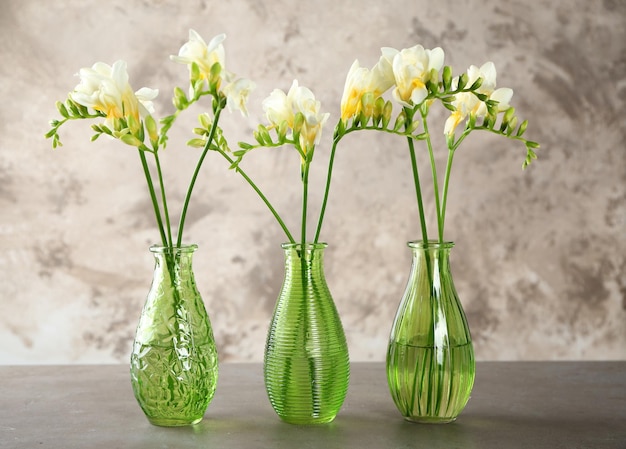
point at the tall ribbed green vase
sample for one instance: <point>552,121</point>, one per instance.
<point>430,358</point>
<point>306,365</point>
<point>173,364</point>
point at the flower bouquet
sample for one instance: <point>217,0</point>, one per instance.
<point>174,358</point>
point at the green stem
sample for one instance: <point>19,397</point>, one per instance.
<point>261,195</point>
<point>433,168</point>
<point>305,199</point>
<point>326,191</point>
<point>416,178</point>
<point>163,197</point>
<point>183,215</point>
<point>153,197</point>
<point>446,182</point>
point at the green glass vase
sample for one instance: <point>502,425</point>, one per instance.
<point>173,363</point>
<point>430,358</point>
<point>306,364</point>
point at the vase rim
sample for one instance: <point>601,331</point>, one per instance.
<point>431,244</point>
<point>160,249</point>
<point>307,245</point>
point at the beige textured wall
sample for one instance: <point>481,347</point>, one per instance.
<point>539,260</point>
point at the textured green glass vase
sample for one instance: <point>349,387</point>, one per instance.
<point>430,359</point>
<point>306,364</point>
<point>173,364</point>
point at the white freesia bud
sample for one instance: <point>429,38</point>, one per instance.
<point>106,89</point>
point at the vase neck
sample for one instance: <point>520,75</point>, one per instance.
<point>173,262</point>
<point>303,258</point>
<point>433,257</point>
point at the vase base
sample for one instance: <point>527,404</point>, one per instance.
<point>308,421</point>
<point>429,420</point>
<point>171,422</point>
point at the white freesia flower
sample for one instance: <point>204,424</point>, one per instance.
<point>354,88</point>
<point>304,101</point>
<point>361,81</point>
<point>412,69</point>
<point>196,50</point>
<point>467,104</point>
<point>205,57</point>
<point>237,93</point>
<point>280,107</point>
<point>106,89</point>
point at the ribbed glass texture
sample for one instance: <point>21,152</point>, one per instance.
<point>173,364</point>
<point>430,359</point>
<point>306,364</point>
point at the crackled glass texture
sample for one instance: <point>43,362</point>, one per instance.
<point>430,358</point>
<point>174,358</point>
<point>306,364</point>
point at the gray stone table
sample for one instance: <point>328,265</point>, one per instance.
<point>535,405</point>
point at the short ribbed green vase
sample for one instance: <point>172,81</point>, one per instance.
<point>430,359</point>
<point>173,364</point>
<point>306,365</point>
